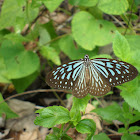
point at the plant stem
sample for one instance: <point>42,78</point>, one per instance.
<point>61,130</point>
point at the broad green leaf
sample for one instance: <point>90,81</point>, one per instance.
<point>88,3</point>
<point>113,7</point>
<point>94,32</point>
<point>67,46</point>
<point>130,137</point>
<point>86,126</point>
<point>23,83</point>
<point>50,116</point>
<point>52,4</point>
<point>3,72</point>
<point>51,54</point>
<point>101,136</point>
<point>4,109</point>
<point>121,47</point>
<point>134,129</point>
<point>132,97</point>
<point>18,61</point>
<point>110,113</point>
<point>51,137</point>
<point>10,10</point>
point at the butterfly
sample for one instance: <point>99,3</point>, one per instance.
<point>93,76</point>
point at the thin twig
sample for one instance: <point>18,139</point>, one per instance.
<point>33,91</point>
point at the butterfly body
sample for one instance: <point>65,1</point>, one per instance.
<point>94,76</point>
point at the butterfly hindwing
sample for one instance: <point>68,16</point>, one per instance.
<point>97,85</point>
<point>80,88</point>
<point>114,72</point>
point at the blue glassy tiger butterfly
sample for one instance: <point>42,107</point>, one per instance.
<point>94,76</point>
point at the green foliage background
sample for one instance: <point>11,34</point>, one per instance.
<point>89,30</point>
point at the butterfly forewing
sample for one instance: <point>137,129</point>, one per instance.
<point>64,76</point>
<point>113,71</point>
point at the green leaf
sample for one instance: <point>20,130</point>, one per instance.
<point>94,32</point>
<point>132,97</point>
<point>16,38</point>
<point>134,41</point>
<point>50,53</point>
<point>113,7</point>
<point>130,137</point>
<point>134,129</point>
<point>51,137</point>
<point>68,47</point>
<point>3,72</point>
<point>52,4</point>
<point>66,137</point>
<point>44,36</point>
<point>86,126</point>
<point>121,47</point>
<point>101,136</point>
<point>122,130</point>
<point>78,105</point>
<point>50,116</point>
<point>110,113</point>
<point>125,107</point>
<point>101,56</point>
<point>22,83</point>
<point>81,104</point>
<point>88,3</point>
<point>4,109</point>
<point>10,10</point>
<point>18,60</point>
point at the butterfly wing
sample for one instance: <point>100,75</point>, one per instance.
<point>80,88</point>
<point>114,72</point>
<point>65,76</point>
<point>97,85</point>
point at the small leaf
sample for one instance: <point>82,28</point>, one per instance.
<point>101,136</point>
<point>94,32</point>
<point>125,107</point>
<point>86,126</point>
<point>50,116</point>
<point>110,113</point>
<point>4,109</point>
<point>66,137</point>
<point>122,130</point>
<point>88,3</point>
<point>130,137</point>
<point>17,60</point>
<point>51,137</point>
<point>81,104</point>
<point>52,4</point>
<point>134,129</point>
<point>51,54</point>
<point>113,7</point>
<point>121,47</point>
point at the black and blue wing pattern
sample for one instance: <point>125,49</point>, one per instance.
<point>114,72</point>
<point>95,76</point>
